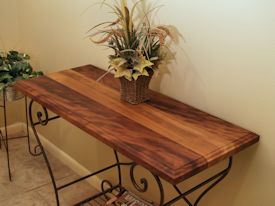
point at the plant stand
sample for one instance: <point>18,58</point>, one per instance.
<point>5,137</point>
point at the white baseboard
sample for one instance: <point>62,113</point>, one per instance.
<point>17,127</point>
<point>69,161</point>
<point>59,154</point>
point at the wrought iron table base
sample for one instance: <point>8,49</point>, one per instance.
<point>142,186</point>
<point>4,136</point>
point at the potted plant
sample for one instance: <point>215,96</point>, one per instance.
<point>139,47</point>
<point>14,66</point>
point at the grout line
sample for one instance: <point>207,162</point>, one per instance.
<point>49,183</point>
<point>17,129</point>
<point>59,154</point>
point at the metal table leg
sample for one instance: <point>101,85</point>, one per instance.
<point>142,185</point>
<point>212,181</point>
<point>5,138</point>
<point>42,120</point>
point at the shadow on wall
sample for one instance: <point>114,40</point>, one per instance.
<point>184,77</point>
<point>232,184</point>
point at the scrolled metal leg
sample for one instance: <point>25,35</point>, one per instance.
<point>214,179</point>
<point>183,196</point>
<point>42,121</point>
<point>161,190</point>
<point>1,137</point>
<point>108,183</point>
<point>144,183</point>
<point>36,151</point>
<point>5,139</point>
<point>104,189</point>
<point>223,174</point>
<point>142,186</point>
<point>40,146</point>
<point>118,168</point>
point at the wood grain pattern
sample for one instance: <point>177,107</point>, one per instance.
<point>171,139</point>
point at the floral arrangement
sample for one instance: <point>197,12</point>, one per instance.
<point>15,66</point>
<point>138,46</point>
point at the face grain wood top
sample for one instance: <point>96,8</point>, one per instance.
<point>171,139</point>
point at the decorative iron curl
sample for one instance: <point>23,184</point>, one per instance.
<point>40,115</point>
<point>39,144</point>
<point>103,189</point>
<point>37,149</point>
<point>144,183</point>
<point>220,176</point>
<point>213,181</point>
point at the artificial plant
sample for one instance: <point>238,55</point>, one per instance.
<point>139,47</point>
<point>15,66</point>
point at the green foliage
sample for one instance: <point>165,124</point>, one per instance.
<point>14,66</point>
<point>135,42</point>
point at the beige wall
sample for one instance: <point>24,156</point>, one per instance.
<point>9,39</point>
<point>9,24</point>
<point>230,45</point>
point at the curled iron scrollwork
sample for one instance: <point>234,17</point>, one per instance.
<point>143,186</point>
<point>37,149</point>
<point>43,120</point>
<point>212,181</point>
<point>40,115</point>
<point>143,181</point>
<point>104,189</point>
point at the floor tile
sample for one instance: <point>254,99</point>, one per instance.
<point>70,195</point>
<point>26,199</point>
<point>31,183</point>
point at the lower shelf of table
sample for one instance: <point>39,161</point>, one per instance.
<point>117,197</point>
<point>142,187</point>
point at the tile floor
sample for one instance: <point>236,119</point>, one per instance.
<point>31,183</point>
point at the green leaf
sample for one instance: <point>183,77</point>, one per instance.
<point>14,66</point>
<point>2,86</point>
<point>25,76</point>
<point>5,77</point>
<point>4,68</point>
<point>37,73</point>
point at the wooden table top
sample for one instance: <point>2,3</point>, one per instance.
<point>169,138</point>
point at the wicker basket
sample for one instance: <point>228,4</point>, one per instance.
<point>135,92</point>
<point>11,94</point>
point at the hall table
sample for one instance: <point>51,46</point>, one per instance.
<point>172,140</point>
